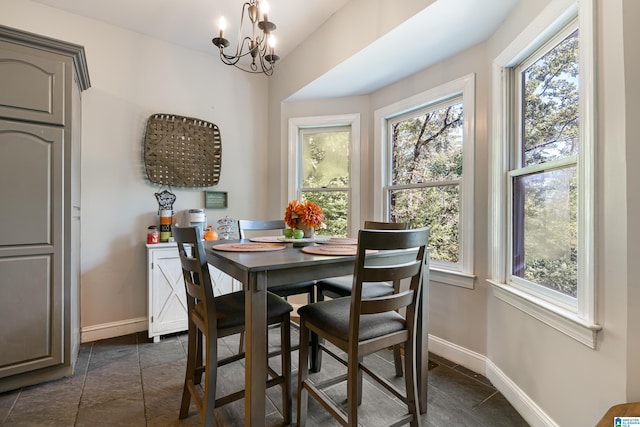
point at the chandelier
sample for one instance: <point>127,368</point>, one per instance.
<point>259,46</point>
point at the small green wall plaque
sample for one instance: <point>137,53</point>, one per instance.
<point>215,199</point>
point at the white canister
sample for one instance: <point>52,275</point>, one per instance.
<point>197,219</point>
<point>196,215</point>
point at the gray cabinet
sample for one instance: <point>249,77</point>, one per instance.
<point>40,91</point>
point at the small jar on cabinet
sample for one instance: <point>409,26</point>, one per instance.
<point>153,235</point>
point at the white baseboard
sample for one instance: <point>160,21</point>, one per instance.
<point>525,406</point>
<point>460,355</point>
<point>113,329</point>
<point>480,364</point>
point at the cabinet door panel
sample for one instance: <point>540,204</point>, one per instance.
<point>28,305</point>
<point>31,87</point>
<point>30,180</point>
<point>169,305</point>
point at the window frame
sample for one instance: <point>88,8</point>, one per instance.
<point>462,273</point>
<point>578,322</point>
<point>296,124</point>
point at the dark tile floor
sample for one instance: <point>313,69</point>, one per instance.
<point>130,381</point>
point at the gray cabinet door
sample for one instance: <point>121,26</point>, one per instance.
<point>31,247</point>
<point>32,86</point>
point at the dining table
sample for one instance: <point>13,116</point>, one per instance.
<point>259,270</point>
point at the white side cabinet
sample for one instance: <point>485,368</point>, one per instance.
<point>166,302</point>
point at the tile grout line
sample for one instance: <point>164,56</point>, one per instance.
<point>484,400</point>
<point>144,398</point>
<point>13,405</point>
<point>84,382</point>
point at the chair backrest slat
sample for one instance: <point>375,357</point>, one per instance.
<point>390,273</point>
<point>388,303</point>
<point>259,225</point>
<point>378,225</point>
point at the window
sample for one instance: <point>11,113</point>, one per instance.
<point>426,153</point>
<point>323,168</point>
<point>426,172</point>
<point>542,226</point>
<point>543,170</point>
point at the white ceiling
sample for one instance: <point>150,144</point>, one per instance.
<point>440,30</point>
<point>193,23</point>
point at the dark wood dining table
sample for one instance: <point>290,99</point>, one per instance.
<point>258,271</point>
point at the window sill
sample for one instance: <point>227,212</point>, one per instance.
<point>454,278</point>
<point>561,320</point>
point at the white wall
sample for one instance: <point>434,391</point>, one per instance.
<point>631,12</point>
<point>550,378</point>
<point>133,76</point>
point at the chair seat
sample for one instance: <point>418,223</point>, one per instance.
<point>342,286</point>
<point>333,315</point>
<point>230,309</point>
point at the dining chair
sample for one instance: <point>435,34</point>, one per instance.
<point>210,318</point>
<point>336,287</point>
<point>299,288</point>
<point>360,326</point>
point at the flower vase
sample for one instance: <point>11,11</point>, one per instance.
<point>309,232</point>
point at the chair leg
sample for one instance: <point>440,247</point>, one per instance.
<point>197,379</point>
<point>303,374</point>
<point>190,371</point>
<point>411,382</point>
<point>354,388</point>
<point>316,353</point>
<point>211,376</point>
<point>285,347</point>
<point>397,356</point>
<point>359,372</point>
<point>241,345</point>
<point>397,360</point>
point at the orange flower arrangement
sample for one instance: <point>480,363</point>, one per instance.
<point>308,213</point>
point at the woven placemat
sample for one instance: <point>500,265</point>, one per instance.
<point>341,241</point>
<point>266,239</point>
<point>334,250</point>
<point>248,247</point>
<point>182,151</point>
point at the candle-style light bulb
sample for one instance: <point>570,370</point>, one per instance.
<point>272,43</point>
<point>222,24</point>
<point>265,10</point>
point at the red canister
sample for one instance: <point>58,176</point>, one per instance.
<point>153,235</point>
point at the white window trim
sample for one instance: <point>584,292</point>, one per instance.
<point>581,324</point>
<point>465,86</point>
<point>352,120</point>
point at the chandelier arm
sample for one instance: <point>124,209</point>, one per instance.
<point>228,59</point>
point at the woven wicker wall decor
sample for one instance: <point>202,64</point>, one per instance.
<point>182,151</point>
